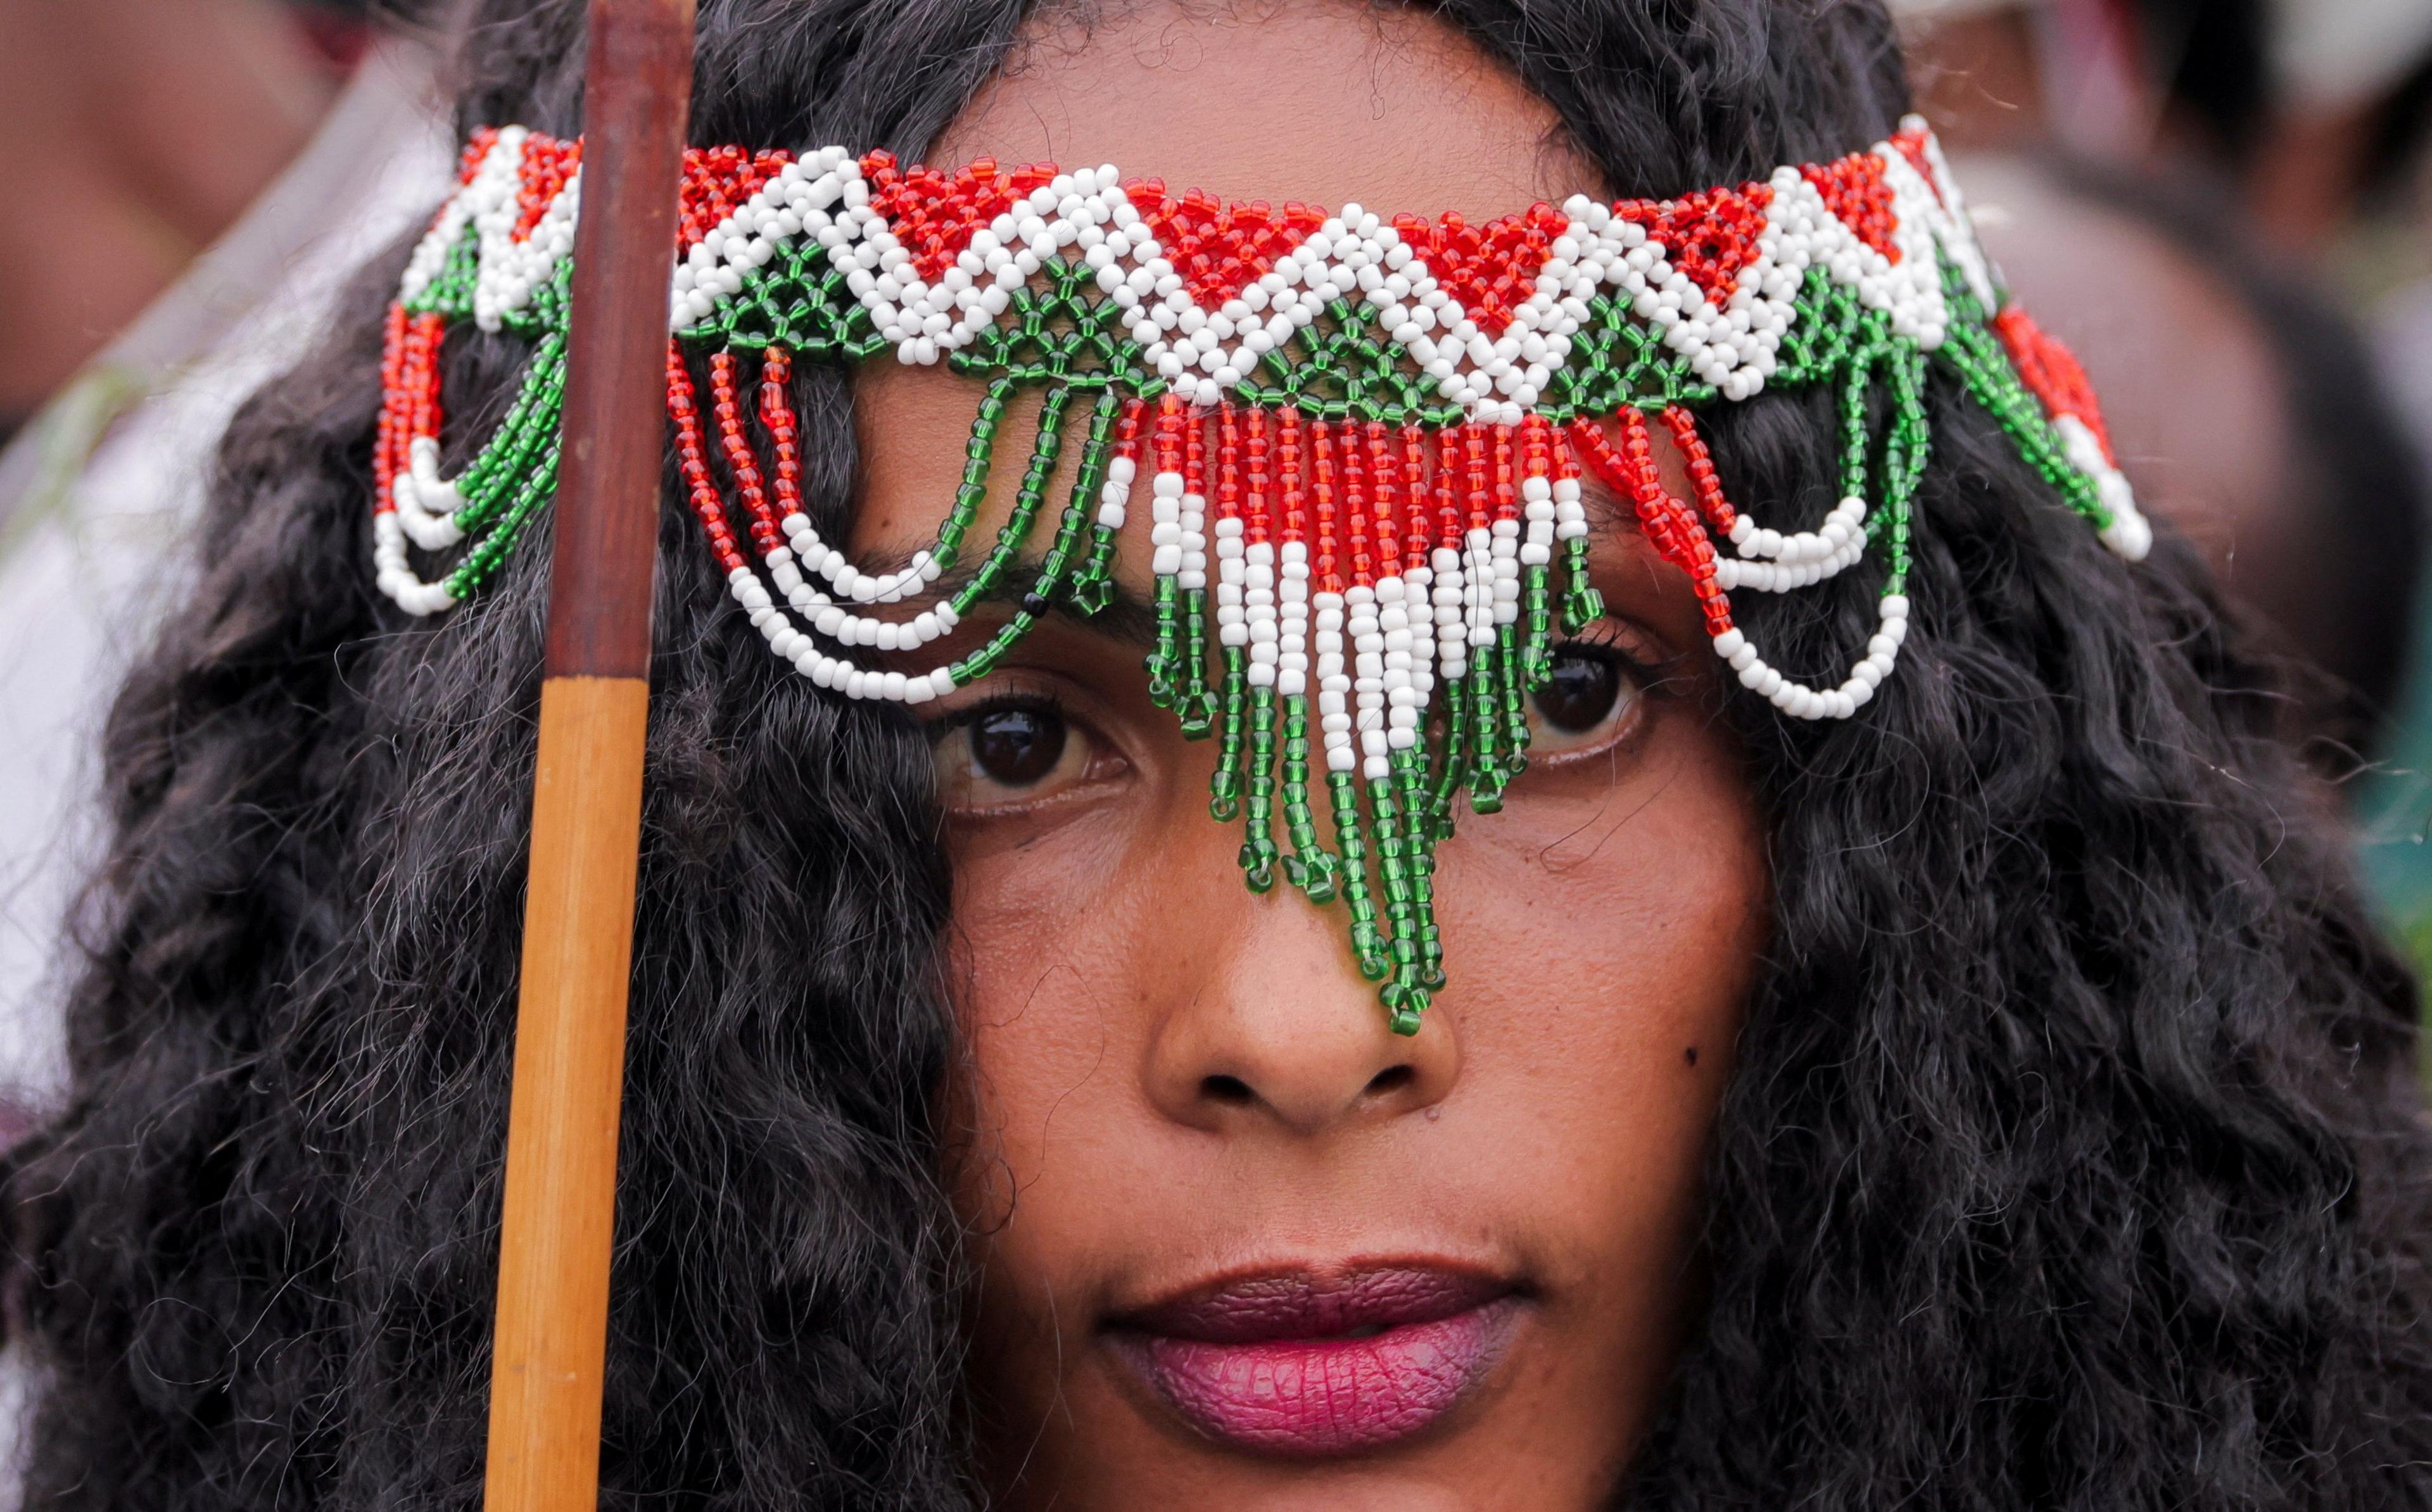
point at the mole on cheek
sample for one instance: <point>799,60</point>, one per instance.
<point>1690,1055</point>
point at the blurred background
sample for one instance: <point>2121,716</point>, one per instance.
<point>2225,206</point>
<point>184,185</point>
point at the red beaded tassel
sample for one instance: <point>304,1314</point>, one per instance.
<point>1507,487</point>
<point>692,459</point>
<point>741,466</point>
<point>390,446</point>
<point>1478,468</point>
<point>1258,502</point>
<point>1566,461</point>
<point>1229,464</point>
<point>1194,451</point>
<point>1536,445</point>
<point>1170,417</point>
<point>1323,570</point>
<point>1292,504</point>
<point>1670,524</point>
<point>1384,497</point>
<point>1419,534</point>
<point>1448,483</point>
<point>408,397</point>
<point>1129,429</point>
<point>422,377</point>
<point>1720,517</point>
<point>777,418</point>
<point>1357,530</point>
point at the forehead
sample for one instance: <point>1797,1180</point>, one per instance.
<point>1319,101</point>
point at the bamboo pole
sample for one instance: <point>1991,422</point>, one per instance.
<point>569,1059</point>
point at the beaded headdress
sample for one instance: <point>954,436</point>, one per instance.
<point>1375,427</point>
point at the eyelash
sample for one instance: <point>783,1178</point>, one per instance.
<point>1609,639</point>
<point>1016,695</point>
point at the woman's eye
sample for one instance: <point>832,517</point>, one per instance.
<point>1589,694</point>
<point>1007,754</point>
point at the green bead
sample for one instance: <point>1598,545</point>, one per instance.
<point>1163,661</point>
<point>1258,852</point>
<point>1195,705</point>
<point>1513,678</point>
<point>1367,946</point>
<point>1487,776</point>
<point>1310,866</point>
<point>1224,788</point>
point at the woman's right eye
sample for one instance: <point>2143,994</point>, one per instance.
<point>1590,698</point>
<point>1010,753</point>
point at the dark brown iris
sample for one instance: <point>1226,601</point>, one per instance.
<point>1581,693</point>
<point>1017,747</point>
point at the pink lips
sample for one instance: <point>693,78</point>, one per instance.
<point>1309,1367</point>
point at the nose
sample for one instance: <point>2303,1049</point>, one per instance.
<point>1281,1031</point>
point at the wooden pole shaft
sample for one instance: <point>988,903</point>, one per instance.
<point>561,1189</point>
<point>546,1376</point>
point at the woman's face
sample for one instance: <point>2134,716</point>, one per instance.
<point>1237,1244</point>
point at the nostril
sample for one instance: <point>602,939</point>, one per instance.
<point>1230,1090</point>
<point>1391,1079</point>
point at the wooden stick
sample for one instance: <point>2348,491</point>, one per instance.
<point>569,1063</point>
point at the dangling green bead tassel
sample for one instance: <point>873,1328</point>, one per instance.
<point>1195,705</point>
<point>1310,866</point>
<point>1058,564</point>
<point>1516,699</point>
<point>538,488</point>
<point>1410,771</point>
<point>1366,945</point>
<point>1404,999</point>
<point>1452,771</point>
<point>1486,774</point>
<point>1224,788</point>
<point>1582,605</point>
<point>487,482</point>
<point>1537,626</point>
<point>1410,786</point>
<point>978,452</point>
<point>1258,852</point>
<point>1092,588</point>
<point>1164,661</point>
<point>1044,449</point>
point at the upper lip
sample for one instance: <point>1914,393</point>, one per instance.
<point>1308,1304</point>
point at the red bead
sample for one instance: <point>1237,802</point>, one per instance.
<point>1291,502</point>
<point>1322,498</point>
<point>1259,521</point>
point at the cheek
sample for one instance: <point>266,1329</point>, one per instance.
<point>1625,919</point>
<point>1605,945</point>
<point>1064,953</point>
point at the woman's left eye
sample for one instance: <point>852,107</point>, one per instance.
<point>1590,693</point>
<point>1010,753</point>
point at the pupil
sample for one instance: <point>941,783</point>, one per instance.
<point>1016,746</point>
<point>1581,694</point>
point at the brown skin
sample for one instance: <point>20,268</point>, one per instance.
<point>1172,1080</point>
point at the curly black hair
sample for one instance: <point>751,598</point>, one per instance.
<point>2074,1159</point>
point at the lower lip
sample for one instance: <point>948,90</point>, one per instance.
<point>1315,1399</point>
